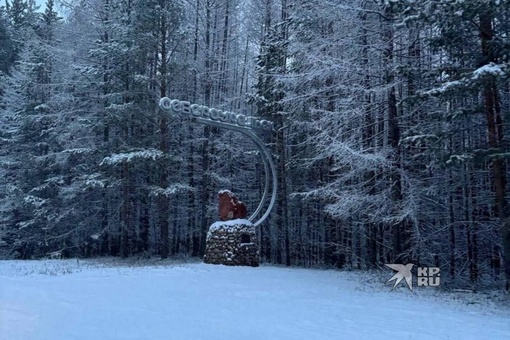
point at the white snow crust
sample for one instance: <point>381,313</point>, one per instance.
<point>229,224</point>
<point>66,299</point>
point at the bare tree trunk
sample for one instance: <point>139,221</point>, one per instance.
<point>496,140</point>
<point>281,146</point>
<point>398,229</point>
<point>195,52</point>
<point>125,213</point>
<point>243,74</point>
<point>105,38</point>
<point>204,199</point>
<point>163,145</point>
<point>126,222</point>
<point>368,139</point>
<point>144,225</point>
<point>224,51</point>
<point>452,227</point>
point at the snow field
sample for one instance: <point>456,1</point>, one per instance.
<point>66,299</point>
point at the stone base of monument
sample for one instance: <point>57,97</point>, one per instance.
<point>232,243</point>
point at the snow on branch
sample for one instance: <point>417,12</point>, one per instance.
<point>419,140</point>
<point>459,159</point>
<point>94,181</point>
<point>444,88</point>
<point>78,151</point>
<point>489,70</point>
<point>34,200</point>
<point>352,155</point>
<point>130,156</point>
<point>171,190</point>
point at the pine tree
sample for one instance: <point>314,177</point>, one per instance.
<point>471,65</point>
<point>7,49</point>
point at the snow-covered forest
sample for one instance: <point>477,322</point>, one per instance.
<point>392,129</point>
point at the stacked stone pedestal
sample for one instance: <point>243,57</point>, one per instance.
<point>232,243</point>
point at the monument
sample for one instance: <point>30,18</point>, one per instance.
<point>233,239</point>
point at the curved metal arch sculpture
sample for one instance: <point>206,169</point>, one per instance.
<point>236,122</point>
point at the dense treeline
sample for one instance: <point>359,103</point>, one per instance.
<point>391,143</point>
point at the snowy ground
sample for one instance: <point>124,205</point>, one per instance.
<point>60,299</point>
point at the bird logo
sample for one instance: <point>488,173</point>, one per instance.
<point>403,272</point>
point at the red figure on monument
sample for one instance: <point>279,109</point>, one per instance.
<point>229,206</point>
